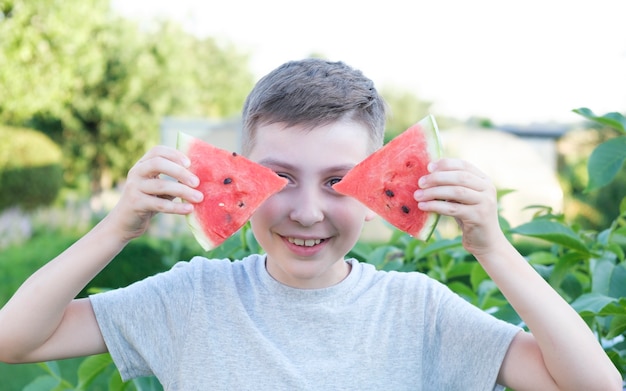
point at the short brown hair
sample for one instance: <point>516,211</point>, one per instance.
<point>314,92</point>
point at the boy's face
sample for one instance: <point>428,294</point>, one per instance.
<point>307,228</point>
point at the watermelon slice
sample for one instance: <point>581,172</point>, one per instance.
<point>233,187</point>
<point>386,180</point>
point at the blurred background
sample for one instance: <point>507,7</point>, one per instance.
<point>87,86</point>
<point>507,61</point>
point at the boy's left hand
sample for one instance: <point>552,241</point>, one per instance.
<point>456,188</point>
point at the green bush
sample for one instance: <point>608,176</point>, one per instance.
<point>590,209</point>
<point>138,260</point>
<point>17,262</point>
<point>587,267</point>
<point>31,174</point>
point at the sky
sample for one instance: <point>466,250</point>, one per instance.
<point>514,62</point>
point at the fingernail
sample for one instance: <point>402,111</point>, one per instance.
<point>431,166</point>
<point>198,196</point>
<point>421,182</point>
<point>194,181</point>
<point>186,162</point>
<point>418,194</point>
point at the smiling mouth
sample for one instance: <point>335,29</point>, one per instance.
<point>305,242</point>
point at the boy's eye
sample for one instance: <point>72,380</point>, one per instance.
<point>283,175</point>
<point>334,181</point>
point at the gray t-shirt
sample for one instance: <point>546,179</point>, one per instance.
<point>221,325</point>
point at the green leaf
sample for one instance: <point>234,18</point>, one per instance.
<point>507,314</point>
<point>617,307</point>
<point>601,275</point>
<point>461,269</point>
<point>54,371</point>
<point>116,383</point>
<point>552,232</point>
<point>42,383</point>
<point>591,302</point>
<point>438,246</point>
<point>608,278</point>
<point>617,288</point>
<point>464,291</point>
<point>492,301</point>
<point>360,251</point>
<point>617,250</point>
<point>251,242</point>
<point>383,256</point>
<point>565,265</point>
<point>617,327</point>
<point>614,120</point>
<point>51,367</point>
<point>411,247</point>
<point>605,162</point>
<point>477,276</point>
<point>397,236</point>
<point>91,368</point>
<point>573,285</point>
<point>486,289</point>
<point>502,192</point>
<point>147,384</point>
<point>542,258</point>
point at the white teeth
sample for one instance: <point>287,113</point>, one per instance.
<point>304,242</point>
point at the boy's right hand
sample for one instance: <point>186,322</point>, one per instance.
<point>147,192</point>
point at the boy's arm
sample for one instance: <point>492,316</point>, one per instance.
<point>43,321</point>
<point>561,353</point>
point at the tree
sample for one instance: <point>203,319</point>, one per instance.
<point>42,45</point>
<point>103,83</point>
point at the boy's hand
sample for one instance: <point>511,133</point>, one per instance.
<point>458,189</point>
<point>146,192</point>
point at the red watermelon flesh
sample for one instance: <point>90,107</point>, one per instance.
<point>233,187</point>
<point>386,180</point>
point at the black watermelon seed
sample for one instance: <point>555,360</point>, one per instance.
<point>389,193</point>
<point>234,153</point>
<point>228,181</point>
<point>405,209</point>
<point>241,204</point>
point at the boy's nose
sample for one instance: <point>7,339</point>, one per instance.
<point>307,209</point>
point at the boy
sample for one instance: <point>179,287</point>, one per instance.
<point>303,317</point>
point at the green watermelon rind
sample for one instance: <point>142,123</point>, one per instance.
<point>182,144</point>
<point>435,151</point>
<point>196,230</point>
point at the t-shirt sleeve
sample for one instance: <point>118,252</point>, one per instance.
<point>131,319</point>
<point>463,343</point>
